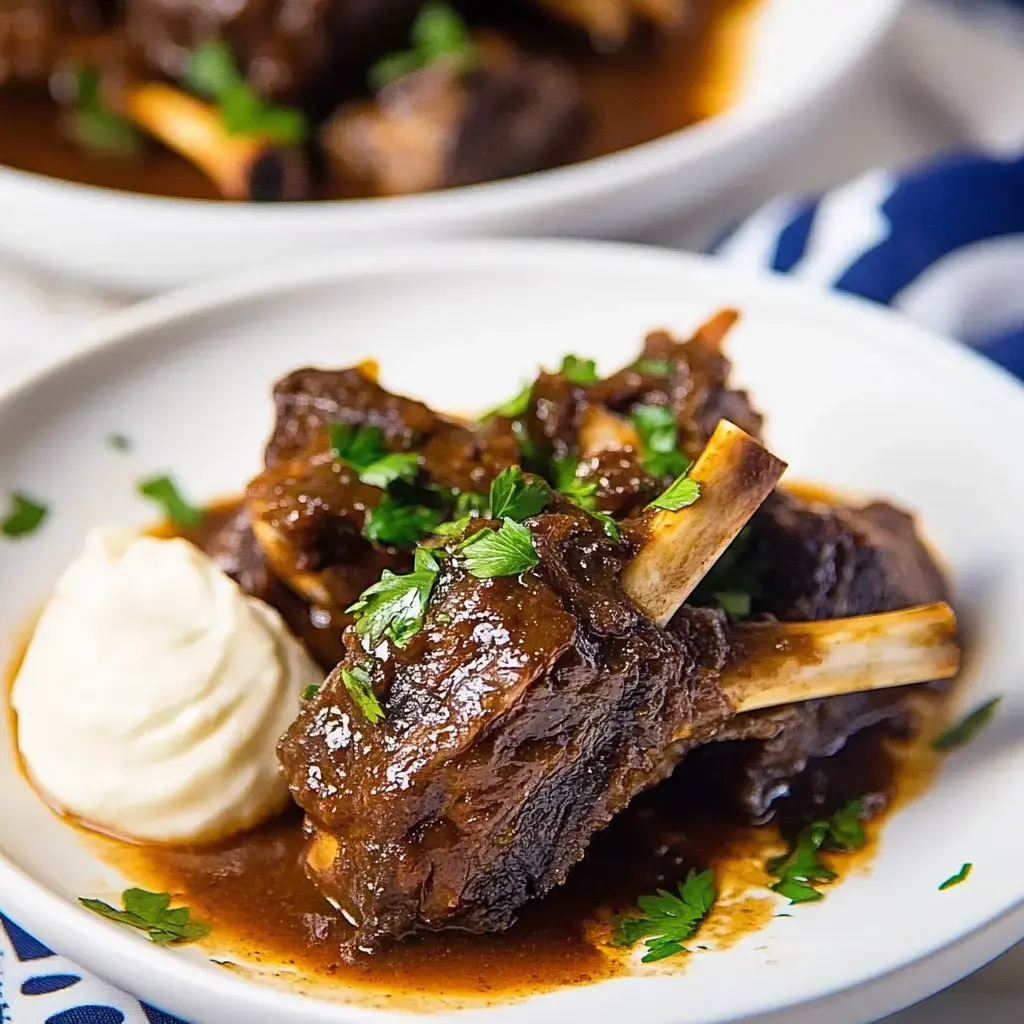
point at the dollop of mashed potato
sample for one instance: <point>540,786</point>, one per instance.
<point>153,693</point>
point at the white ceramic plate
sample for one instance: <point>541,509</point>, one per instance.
<point>801,53</point>
<point>855,398</point>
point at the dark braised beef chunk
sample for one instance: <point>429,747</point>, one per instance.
<point>441,126</point>
<point>610,23</point>
<point>808,560</point>
<point>305,52</point>
<point>35,35</point>
<point>237,552</point>
<point>525,714</point>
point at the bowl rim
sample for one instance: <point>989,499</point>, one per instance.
<point>585,179</point>
<point>60,922</point>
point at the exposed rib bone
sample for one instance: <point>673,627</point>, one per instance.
<point>735,474</point>
<point>785,662</point>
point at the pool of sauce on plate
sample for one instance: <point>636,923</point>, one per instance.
<point>269,920</point>
<point>642,93</point>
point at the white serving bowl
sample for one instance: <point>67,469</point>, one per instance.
<point>855,398</point>
<point>801,53</point>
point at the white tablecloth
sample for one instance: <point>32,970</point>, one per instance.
<point>940,82</point>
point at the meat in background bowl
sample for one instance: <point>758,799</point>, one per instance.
<point>793,56</point>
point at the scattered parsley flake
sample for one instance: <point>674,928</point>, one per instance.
<point>679,494</point>
<point>309,692</point>
<point>516,496</point>
<point>669,919</point>
<point>394,606</point>
<point>579,371</point>
<point>151,912</point>
<point>737,577</point>
<point>164,491</point>
<point>359,684</point>
<point>119,442</point>
<point>659,440</point>
<point>439,33</point>
<point>516,406</point>
<point>961,876</point>
<point>735,603</point>
<point>654,367</point>
<point>210,71</point>
<point>798,869</point>
<point>25,517</point>
<point>507,551</point>
<point>96,125</point>
<point>968,727</point>
<point>582,492</point>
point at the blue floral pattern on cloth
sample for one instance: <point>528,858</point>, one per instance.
<point>39,987</point>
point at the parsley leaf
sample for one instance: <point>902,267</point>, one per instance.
<point>669,919</point>
<point>659,440</point>
<point>579,371</point>
<point>438,33</point>
<point>515,406</point>
<point>801,867</point>
<point>359,684</point>
<point>96,125</point>
<point>507,551</point>
<point>210,71</point>
<point>961,876</point>
<point>394,606</point>
<point>679,494</point>
<point>164,491</point>
<point>735,581</point>
<point>120,442</point>
<point>309,692</point>
<point>150,912</point>
<point>654,367</point>
<point>26,516</point>
<point>363,449</point>
<point>515,496</point>
<point>582,492</point>
<point>968,727</point>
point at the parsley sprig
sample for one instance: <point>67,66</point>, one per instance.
<point>679,494</point>
<point>507,551</point>
<point>516,406</point>
<point>164,491</point>
<point>363,449</point>
<point>400,522</point>
<point>438,33</point>
<point>582,492</point>
<point>151,912</point>
<point>359,684</point>
<point>211,72</point>
<point>659,440</point>
<point>516,496</point>
<point>394,607</point>
<point>25,517</point>
<point>669,919</point>
<point>801,867</point>
<point>968,727</point>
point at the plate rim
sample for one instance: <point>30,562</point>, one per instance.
<point>55,919</point>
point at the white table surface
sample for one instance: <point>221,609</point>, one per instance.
<point>939,83</point>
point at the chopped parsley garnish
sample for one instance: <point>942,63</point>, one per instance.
<point>119,442</point>
<point>359,684</point>
<point>681,492</point>
<point>515,496</point>
<point>659,440</point>
<point>579,371</point>
<point>961,876</point>
<point>309,692</point>
<point>96,125</point>
<point>25,517</point>
<point>669,919</point>
<point>735,603</point>
<point>164,491</point>
<point>363,449</point>
<point>439,33</point>
<point>507,551</point>
<point>515,406</point>
<point>400,524</point>
<point>968,727</point>
<point>582,492</point>
<point>210,71</point>
<point>801,867</point>
<point>654,367</point>
<point>394,607</point>
<point>735,581</point>
<point>151,912</point>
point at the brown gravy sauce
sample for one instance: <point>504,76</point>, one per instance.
<point>640,94</point>
<point>270,922</point>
